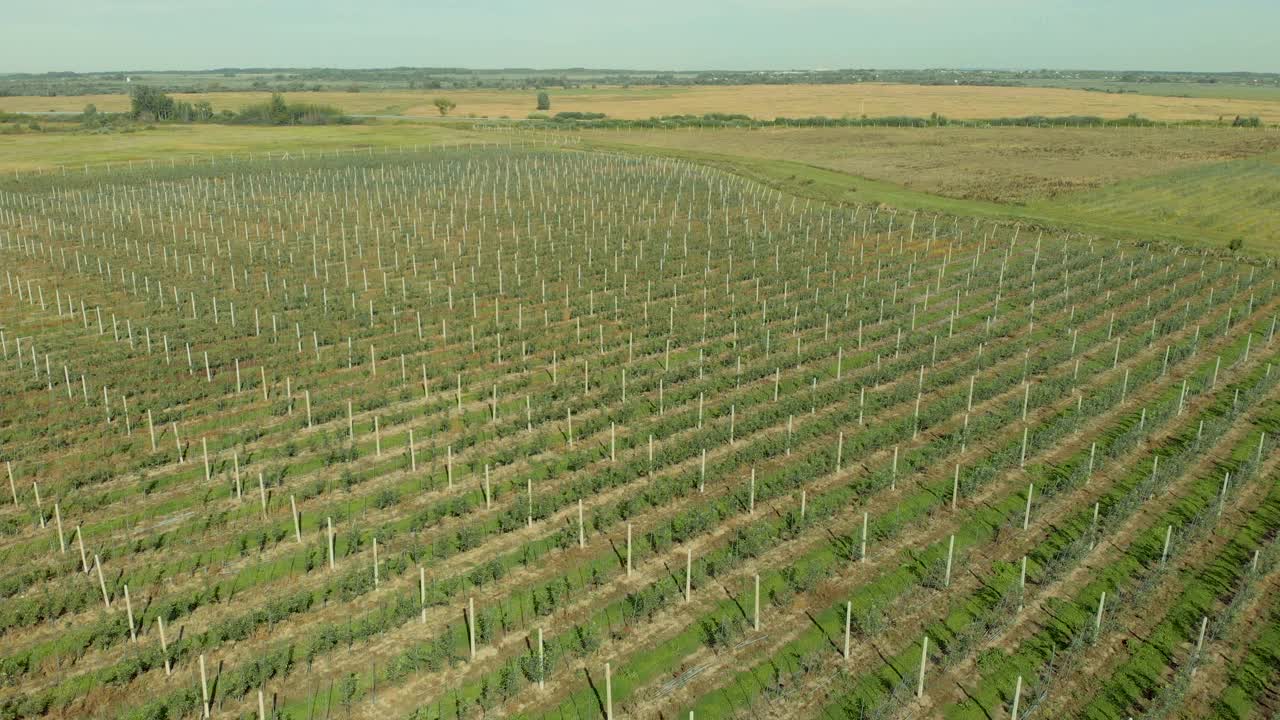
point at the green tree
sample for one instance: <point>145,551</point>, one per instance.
<point>278,110</point>
<point>544,101</point>
<point>444,105</point>
<point>148,103</point>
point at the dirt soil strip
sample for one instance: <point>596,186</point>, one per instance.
<point>815,697</point>
<point>755,650</point>
<point>1134,622</point>
<point>1220,656</point>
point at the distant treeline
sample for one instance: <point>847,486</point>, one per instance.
<point>296,80</point>
<point>714,120</point>
<point>151,105</point>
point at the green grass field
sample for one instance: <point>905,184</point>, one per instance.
<point>52,151</point>
<point>1189,187</point>
<point>1213,203</point>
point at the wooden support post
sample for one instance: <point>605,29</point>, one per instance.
<point>164,646</point>
<point>924,659</point>
<point>628,549</point>
<point>1204,625</point>
<point>1168,536</point>
<point>862,555</point>
<point>1097,621</point>
<point>951,549</point>
<point>1026,516</point>
<point>35,487</point>
<point>375,563</point>
<point>542,662</point>
<point>471,624</point>
<point>529,510</point>
<point>688,575</point>
<point>1022,584</point>
<point>848,625</point>
<point>488,496</point>
<point>128,608</point>
<point>413,454</point>
<point>57,517</point>
<point>262,495</point>
<point>204,445</point>
<point>332,564</point>
<point>1022,462</point>
<point>297,522</point>
<point>102,581</point>
<point>751,498</point>
<point>84,562</point>
<point>955,487</point>
<point>204,688</point>
<point>608,692</point>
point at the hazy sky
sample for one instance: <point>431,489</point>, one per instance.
<point>85,35</point>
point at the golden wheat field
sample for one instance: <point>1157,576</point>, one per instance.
<point>761,101</point>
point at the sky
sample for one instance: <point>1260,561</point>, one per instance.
<point>89,35</point>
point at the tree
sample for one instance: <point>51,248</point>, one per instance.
<point>544,101</point>
<point>444,105</point>
<point>150,104</point>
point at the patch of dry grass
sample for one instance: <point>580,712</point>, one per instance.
<point>42,151</point>
<point>762,101</point>
<point>1006,164</point>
